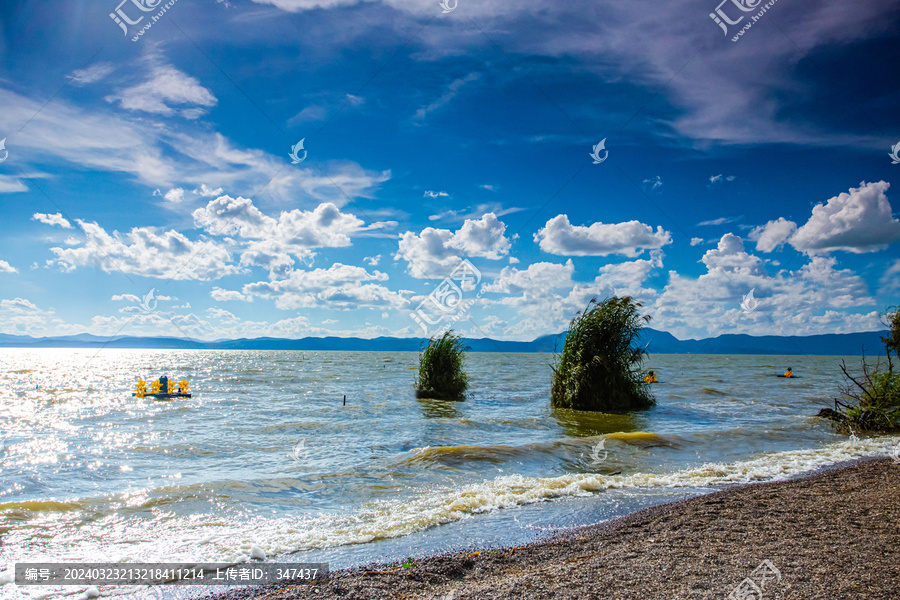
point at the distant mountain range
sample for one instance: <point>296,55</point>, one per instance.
<point>658,342</point>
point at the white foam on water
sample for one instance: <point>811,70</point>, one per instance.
<point>206,538</point>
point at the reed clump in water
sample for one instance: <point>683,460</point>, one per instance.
<point>440,369</point>
<point>875,394</point>
<point>599,367</point>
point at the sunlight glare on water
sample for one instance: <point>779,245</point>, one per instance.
<point>266,454</point>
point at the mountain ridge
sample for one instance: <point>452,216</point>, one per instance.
<point>658,342</point>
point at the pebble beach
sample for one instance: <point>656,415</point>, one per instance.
<point>833,534</point>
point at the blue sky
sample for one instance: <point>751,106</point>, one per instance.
<point>148,187</point>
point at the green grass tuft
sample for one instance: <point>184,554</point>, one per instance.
<point>440,369</point>
<point>599,367</point>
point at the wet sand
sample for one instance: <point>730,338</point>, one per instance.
<point>834,535</point>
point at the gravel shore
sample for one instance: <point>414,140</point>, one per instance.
<point>834,535</point>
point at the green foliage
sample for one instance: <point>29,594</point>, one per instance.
<point>892,342</point>
<point>599,367</point>
<point>440,369</point>
<point>875,393</point>
<point>881,411</point>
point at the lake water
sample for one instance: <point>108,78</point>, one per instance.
<point>266,454</point>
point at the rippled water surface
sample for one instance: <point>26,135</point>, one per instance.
<point>267,455</point>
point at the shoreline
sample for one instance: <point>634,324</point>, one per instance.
<point>834,533</point>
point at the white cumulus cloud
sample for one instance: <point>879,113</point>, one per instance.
<point>857,221</point>
<point>627,278</point>
<point>56,219</point>
<point>20,316</point>
<point>220,295</point>
<point>630,238</point>
<point>340,286</point>
<point>730,256</point>
<point>773,234</point>
<point>433,253</point>
<point>270,242</point>
<point>539,277</point>
<point>175,195</point>
<point>817,298</point>
<point>147,252</point>
<point>207,192</point>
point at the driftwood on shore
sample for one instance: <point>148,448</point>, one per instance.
<point>831,414</point>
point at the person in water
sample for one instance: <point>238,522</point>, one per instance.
<point>789,373</point>
<point>650,377</point>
